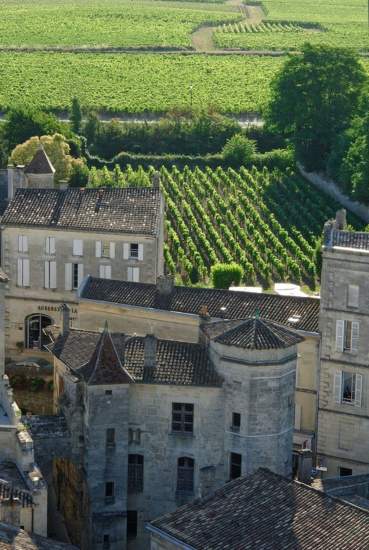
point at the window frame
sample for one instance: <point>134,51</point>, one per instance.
<point>236,426</point>
<point>235,465</point>
<point>110,437</point>
<point>136,463</point>
<point>185,475</point>
<point>136,254</point>
<point>182,410</point>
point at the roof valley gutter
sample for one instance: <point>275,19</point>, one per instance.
<point>168,537</point>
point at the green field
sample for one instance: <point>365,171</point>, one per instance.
<point>96,23</point>
<point>135,83</point>
<point>343,23</point>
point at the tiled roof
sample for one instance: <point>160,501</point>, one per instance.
<point>119,210</point>
<point>350,239</point>
<point>268,512</point>
<point>12,484</point>
<point>253,334</point>
<point>295,312</point>
<point>104,366</point>
<point>13,538</point>
<point>177,363</point>
<point>7,491</point>
<point>40,164</point>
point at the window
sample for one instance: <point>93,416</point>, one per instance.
<point>23,277</point>
<point>108,392</point>
<point>73,276</point>
<point>353,296</point>
<point>109,492</point>
<point>106,542</point>
<point>105,271</point>
<point>185,473</point>
<point>110,437</point>
<point>22,243</point>
<point>182,418</point>
<point>75,279</point>
<point>50,274</point>
<point>348,387</point>
<point>347,336</point>
<point>236,422</point>
<point>235,469</point>
<point>345,472</point>
<point>50,245</point>
<point>135,473</point>
<point>132,251</point>
<point>105,249</point>
<point>131,524</point>
<point>133,274</point>
<point>77,247</point>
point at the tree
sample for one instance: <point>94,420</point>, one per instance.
<point>76,116</point>
<point>57,150</point>
<point>92,128</point>
<point>314,98</point>
<point>79,175</point>
<point>226,275</point>
<point>239,150</point>
<point>22,123</point>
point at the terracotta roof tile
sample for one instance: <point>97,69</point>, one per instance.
<point>13,538</point>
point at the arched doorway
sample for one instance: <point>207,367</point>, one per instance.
<point>35,338</point>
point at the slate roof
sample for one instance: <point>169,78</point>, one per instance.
<point>253,334</point>
<point>350,239</point>
<point>12,484</point>
<point>177,363</point>
<point>119,210</point>
<point>294,312</point>
<point>266,511</point>
<point>13,538</point>
<point>40,164</point>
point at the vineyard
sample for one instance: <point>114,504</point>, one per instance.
<point>261,27</point>
<point>266,221</point>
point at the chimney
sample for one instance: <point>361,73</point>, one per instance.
<point>165,285</point>
<point>341,219</point>
<point>204,311</point>
<point>65,309</point>
<point>155,180</point>
<point>150,346</point>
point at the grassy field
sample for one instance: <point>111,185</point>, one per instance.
<point>342,23</point>
<point>135,83</point>
<point>118,23</point>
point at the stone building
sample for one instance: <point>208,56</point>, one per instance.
<point>23,491</point>
<point>343,430</point>
<point>52,238</point>
<point>141,412</point>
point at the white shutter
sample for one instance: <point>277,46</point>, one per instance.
<point>25,243</point>
<point>140,252</point>
<point>112,250</point>
<point>130,274</point>
<point>68,276</point>
<point>47,245</point>
<point>358,390</point>
<point>77,247</point>
<point>20,243</point>
<point>125,251</point>
<point>353,296</point>
<point>26,276</point>
<point>337,386</point>
<point>20,272</point>
<point>98,249</point>
<point>80,273</point>
<point>136,274</point>
<point>47,274</point>
<point>108,272</point>
<point>340,327</point>
<point>51,245</point>
<point>52,274</point>
<point>102,272</point>
<point>297,416</point>
<point>354,336</point>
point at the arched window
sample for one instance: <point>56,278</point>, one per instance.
<point>185,475</point>
<point>35,337</point>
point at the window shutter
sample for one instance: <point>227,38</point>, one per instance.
<point>47,245</point>
<point>130,274</point>
<point>98,249</point>
<point>140,252</point>
<point>47,274</point>
<point>353,296</point>
<point>20,272</point>
<point>20,243</point>
<point>68,276</point>
<point>108,272</point>
<point>125,251</point>
<point>358,390</point>
<point>337,386</point>
<point>77,247</point>
<point>112,250</point>
<point>26,276</point>
<point>136,274</point>
<point>52,274</point>
<point>102,271</point>
<point>297,416</point>
<point>355,336</point>
<point>51,245</point>
<point>80,273</point>
<point>25,243</point>
<point>340,326</point>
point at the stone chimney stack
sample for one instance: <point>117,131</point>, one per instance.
<point>341,219</point>
<point>150,347</point>
<point>165,285</point>
<point>65,309</point>
<point>155,180</point>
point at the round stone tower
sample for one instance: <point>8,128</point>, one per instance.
<point>257,359</point>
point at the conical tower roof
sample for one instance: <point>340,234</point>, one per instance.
<point>252,334</point>
<point>40,164</point>
<point>105,366</point>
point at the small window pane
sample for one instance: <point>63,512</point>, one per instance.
<point>182,417</point>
